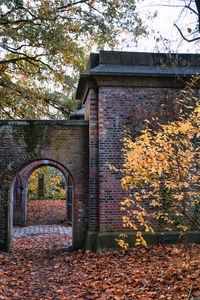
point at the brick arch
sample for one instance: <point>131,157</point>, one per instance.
<point>19,190</point>
<point>62,142</point>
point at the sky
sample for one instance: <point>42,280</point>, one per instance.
<point>168,13</point>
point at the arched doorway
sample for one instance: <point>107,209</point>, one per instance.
<point>19,191</point>
<point>62,141</point>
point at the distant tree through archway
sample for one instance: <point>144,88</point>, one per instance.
<point>20,195</point>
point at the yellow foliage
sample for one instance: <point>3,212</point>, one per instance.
<point>52,182</point>
<point>162,167</point>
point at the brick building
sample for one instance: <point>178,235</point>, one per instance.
<point>118,90</point>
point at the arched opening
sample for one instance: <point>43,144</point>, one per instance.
<point>46,197</point>
<point>34,200</point>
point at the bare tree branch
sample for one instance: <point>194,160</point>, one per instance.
<point>23,21</point>
<point>18,48</point>
<point>190,8</point>
<point>198,8</point>
<point>71,4</point>
<point>12,60</point>
<point>186,39</point>
<point>26,58</point>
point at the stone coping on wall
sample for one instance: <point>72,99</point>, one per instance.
<point>45,122</point>
<point>131,70</point>
<point>146,58</point>
<point>103,68</point>
<point>142,64</point>
<point>107,241</point>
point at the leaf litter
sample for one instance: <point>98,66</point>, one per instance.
<point>40,268</point>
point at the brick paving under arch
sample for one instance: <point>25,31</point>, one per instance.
<point>41,230</point>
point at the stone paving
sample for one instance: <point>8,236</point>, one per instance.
<point>40,230</point>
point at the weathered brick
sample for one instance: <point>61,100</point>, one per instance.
<point>25,145</point>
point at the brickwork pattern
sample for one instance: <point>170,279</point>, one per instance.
<point>119,109</point>
<point>92,103</point>
<point>23,143</point>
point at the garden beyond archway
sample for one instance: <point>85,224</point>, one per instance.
<point>19,192</point>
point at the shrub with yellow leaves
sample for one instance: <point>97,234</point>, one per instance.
<point>161,173</point>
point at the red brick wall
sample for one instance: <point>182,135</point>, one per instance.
<point>65,142</point>
<point>119,108</point>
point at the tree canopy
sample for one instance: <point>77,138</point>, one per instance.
<point>45,45</point>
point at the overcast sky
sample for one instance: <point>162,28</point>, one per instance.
<point>163,25</point>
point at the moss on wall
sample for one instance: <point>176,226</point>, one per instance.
<point>2,134</point>
<point>33,135</point>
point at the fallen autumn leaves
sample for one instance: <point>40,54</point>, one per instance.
<point>46,212</point>
<point>39,269</point>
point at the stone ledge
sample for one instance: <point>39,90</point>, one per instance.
<point>146,58</point>
<point>45,122</point>
<point>99,242</point>
<point>137,66</point>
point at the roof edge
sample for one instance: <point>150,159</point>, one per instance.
<point>136,64</point>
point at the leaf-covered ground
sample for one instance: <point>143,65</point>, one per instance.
<point>40,268</point>
<point>46,212</point>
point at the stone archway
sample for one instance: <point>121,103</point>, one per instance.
<point>20,186</point>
